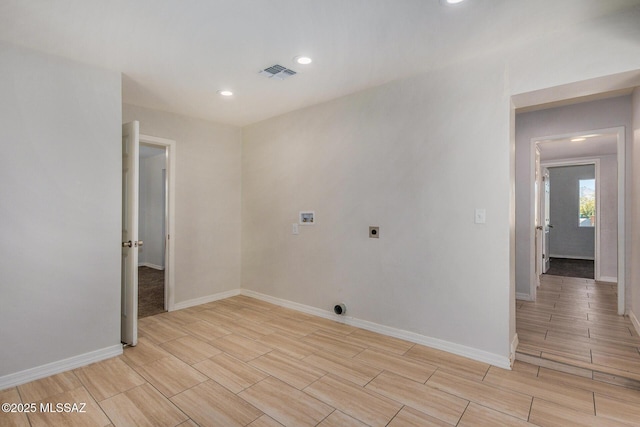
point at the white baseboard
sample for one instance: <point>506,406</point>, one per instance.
<point>607,279</point>
<point>525,297</point>
<point>634,321</point>
<point>461,350</point>
<point>148,264</point>
<point>59,366</point>
<point>205,299</point>
<point>514,346</point>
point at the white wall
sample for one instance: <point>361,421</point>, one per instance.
<point>207,219</point>
<point>394,157</point>
<point>151,212</point>
<point>60,210</point>
<point>414,157</point>
<point>634,235</point>
<point>600,114</point>
<point>608,217</point>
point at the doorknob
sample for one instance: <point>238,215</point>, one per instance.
<point>139,243</point>
<point>539,227</point>
<point>126,244</point>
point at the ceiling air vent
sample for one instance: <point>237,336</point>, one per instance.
<point>278,72</point>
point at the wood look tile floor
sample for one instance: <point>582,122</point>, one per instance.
<point>244,362</point>
<point>573,326</point>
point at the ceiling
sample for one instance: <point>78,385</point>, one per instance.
<point>176,54</point>
<point>593,145</point>
<point>147,151</point>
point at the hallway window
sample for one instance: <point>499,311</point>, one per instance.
<point>587,214</point>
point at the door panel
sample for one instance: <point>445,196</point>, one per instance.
<point>538,220</point>
<point>546,220</point>
<point>130,177</point>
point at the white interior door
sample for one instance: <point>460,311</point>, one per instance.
<point>538,185</point>
<point>546,220</point>
<point>130,243</point>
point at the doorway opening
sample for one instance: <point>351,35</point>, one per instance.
<point>590,164</point>
<point>152,229</point>
<point>131,244</point>
<point>156,271</point>
<point>571,233</point>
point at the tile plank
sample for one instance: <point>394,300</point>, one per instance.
<point>210,404</point>
<point>230,372</point>
<point>549,414</point>
<point>426,399</point>
<point>108,378</point>
<point>411,368</point>
<point>449,362</point>
<point>568,396</point>
<point>480,416</point>
<point>357,402</point>
<point>286,404</point>
<point>171,375</point>
<point>506,401</point>
<point>12,419</point>
<point>142,406</point>
<point>93,414</point>
<point>614,409</point>
<point>409,417</point>
<point>190,350</point>
<point>292,371</point>
<point>346,368</point>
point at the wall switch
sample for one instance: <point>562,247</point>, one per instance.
<point>295,229</point>
<point>480,216</point>
<point>374,232</point>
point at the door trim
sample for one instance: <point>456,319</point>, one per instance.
<point>596,164</point>
<point>170,207</point>
<point>621,156</point>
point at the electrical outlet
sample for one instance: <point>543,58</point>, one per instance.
<point>307,218</point>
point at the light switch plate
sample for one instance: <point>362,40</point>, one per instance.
<point>480,216</point>
<point>295,228</point>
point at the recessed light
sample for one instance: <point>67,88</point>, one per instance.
<point>450,2</point>
<point>225,92</point>
<point>578,139</point>
<point>302,60</point>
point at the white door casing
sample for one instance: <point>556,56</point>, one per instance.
<point>538,220</point>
